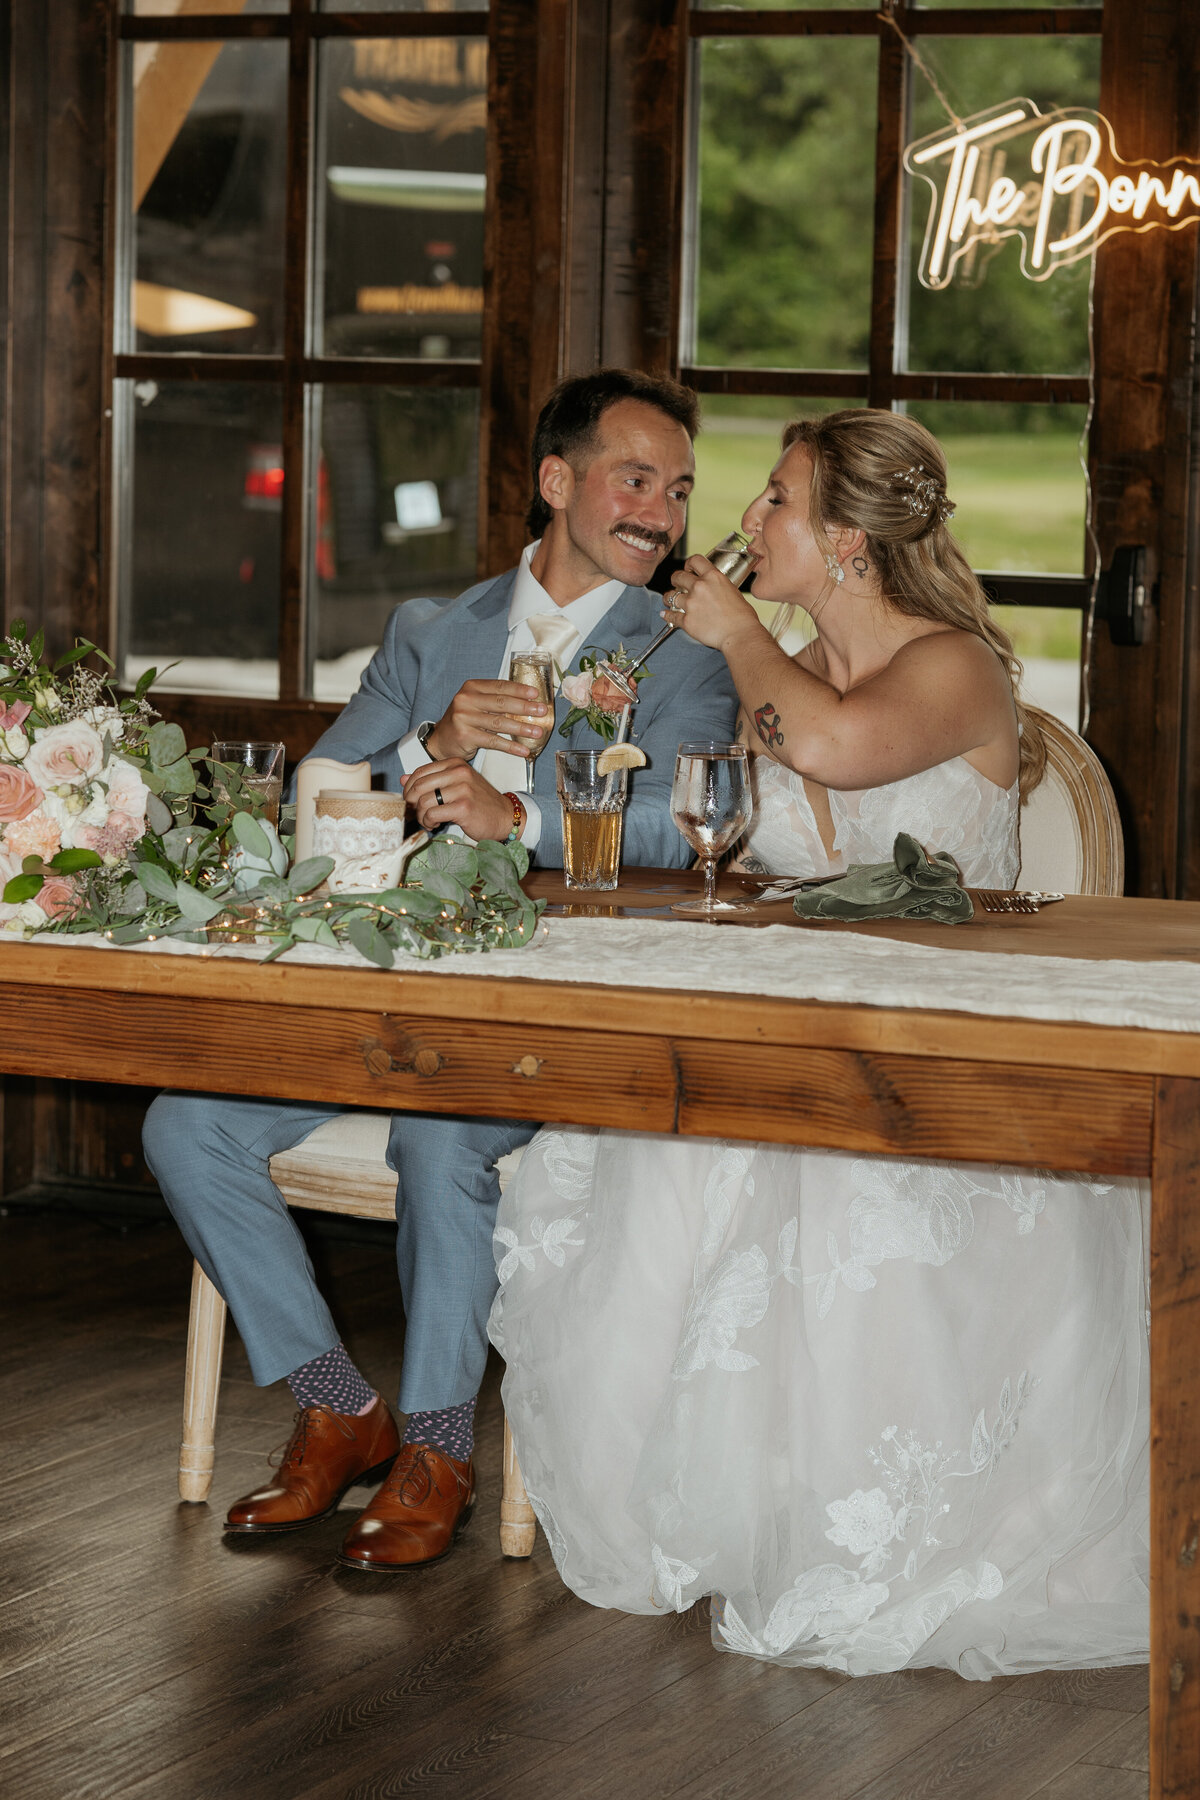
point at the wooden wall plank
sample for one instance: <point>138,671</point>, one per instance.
<point>1141,449</point>
<point>56,324</point>
<point>643,215</point>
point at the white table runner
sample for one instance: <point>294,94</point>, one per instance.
<point>787,963</point>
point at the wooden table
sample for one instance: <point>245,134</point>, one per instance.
<point>885,1081</point>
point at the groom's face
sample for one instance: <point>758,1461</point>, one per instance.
<point>617,513</point>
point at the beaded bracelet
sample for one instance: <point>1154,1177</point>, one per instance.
<point>519,816</point>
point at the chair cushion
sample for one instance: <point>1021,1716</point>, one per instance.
<point>342,1167</point>
<point>1051,843</point>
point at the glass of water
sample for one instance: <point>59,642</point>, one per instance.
<point>712,805</point>
<point>259,769</point>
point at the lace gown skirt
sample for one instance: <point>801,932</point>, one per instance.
<point>893,1414</point>
<point>888,1414</point>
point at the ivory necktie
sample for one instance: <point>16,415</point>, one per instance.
<point>552,632</point>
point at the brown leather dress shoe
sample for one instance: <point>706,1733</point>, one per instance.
<point>326,1454</point>
<point>416,1515</point>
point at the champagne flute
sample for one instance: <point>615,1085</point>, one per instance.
<point>711,803</point>
<point>535,669</point>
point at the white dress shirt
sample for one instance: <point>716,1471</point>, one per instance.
<point>529,597</point>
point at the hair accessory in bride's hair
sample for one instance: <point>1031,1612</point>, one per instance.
<point>924,495</point>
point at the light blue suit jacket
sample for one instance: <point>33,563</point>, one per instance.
<point>430,647</point>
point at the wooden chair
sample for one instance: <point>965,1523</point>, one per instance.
<point>1071,838</point>
<point>339,1168</point>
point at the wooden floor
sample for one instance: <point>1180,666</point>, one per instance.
<point>142,1654</point>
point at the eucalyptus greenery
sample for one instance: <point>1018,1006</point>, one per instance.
<point>456,897</point>
<point>209,866</point>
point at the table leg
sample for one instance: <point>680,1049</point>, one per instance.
<point>1175,1443</point>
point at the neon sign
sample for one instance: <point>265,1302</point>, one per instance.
<point>1018,172</point>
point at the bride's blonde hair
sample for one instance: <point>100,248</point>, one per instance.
<point>884,474</point>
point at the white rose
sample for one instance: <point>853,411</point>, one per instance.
<point>22,920</point>
<point>108,720</point>
<point>69,754</point>
<point>127,792</point>
<point>14,744</point>
<point>10,865</point>
<point>73,810</point>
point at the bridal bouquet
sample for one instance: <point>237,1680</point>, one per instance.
<point>109,823</point>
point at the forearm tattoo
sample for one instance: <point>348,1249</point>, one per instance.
<point>768,725</point>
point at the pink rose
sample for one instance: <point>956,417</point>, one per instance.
<point>70,753</point>
<point>57,897</point>
<point>14,713</point>
<point>19,793</point>
<point>578,688</point>
<point>607,696</point>
<point>35,836</point>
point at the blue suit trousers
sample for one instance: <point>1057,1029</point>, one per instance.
<point>209,1154</point>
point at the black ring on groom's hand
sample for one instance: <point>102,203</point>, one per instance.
<point>437,794</point>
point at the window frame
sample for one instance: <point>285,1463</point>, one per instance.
<point>885,383</point>
<point>295,371</point>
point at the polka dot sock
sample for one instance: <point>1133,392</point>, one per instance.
<point>332,1380</point>
<point>450,1429</point>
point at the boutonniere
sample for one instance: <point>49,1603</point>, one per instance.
<point>605,685</point>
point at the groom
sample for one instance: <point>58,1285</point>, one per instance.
<point>612,471</point>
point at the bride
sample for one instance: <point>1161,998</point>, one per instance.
<point>887,1414</point>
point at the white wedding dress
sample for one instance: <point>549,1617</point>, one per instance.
<point>889,1414</point>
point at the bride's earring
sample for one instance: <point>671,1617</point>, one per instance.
<point>836,571</point>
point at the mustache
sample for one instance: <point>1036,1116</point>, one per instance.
<point>661,538</point>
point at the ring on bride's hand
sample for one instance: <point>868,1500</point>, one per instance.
<point>675,602</point>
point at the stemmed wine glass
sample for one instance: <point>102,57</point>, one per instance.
<point>535,669</point>
<point>712,805</point>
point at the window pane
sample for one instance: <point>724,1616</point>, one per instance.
<point>778,5</point>
<point>402,6</point>
<point>397,487</point>
<point>786,171</point>
<point>1021,497</point>
<point>993,317</point>
<point>208,197</point>
<point>1048,640</point>
<point>933,5</point>
<point>400,196</point>
<point>200,533</point>
<point>1016,481</point>
<point>170,9</point>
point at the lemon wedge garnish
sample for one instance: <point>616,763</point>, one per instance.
<point>620,756</point>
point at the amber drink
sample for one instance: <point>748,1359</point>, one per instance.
<point>593,813</point>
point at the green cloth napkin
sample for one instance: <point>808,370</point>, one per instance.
<point>911,886</point>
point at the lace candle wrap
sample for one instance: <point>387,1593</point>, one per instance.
<point>364,834</point>
<point>314,774</point>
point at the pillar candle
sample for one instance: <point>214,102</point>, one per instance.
<point>315,773</point>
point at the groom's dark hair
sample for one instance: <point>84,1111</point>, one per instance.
<point>568,423</point>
